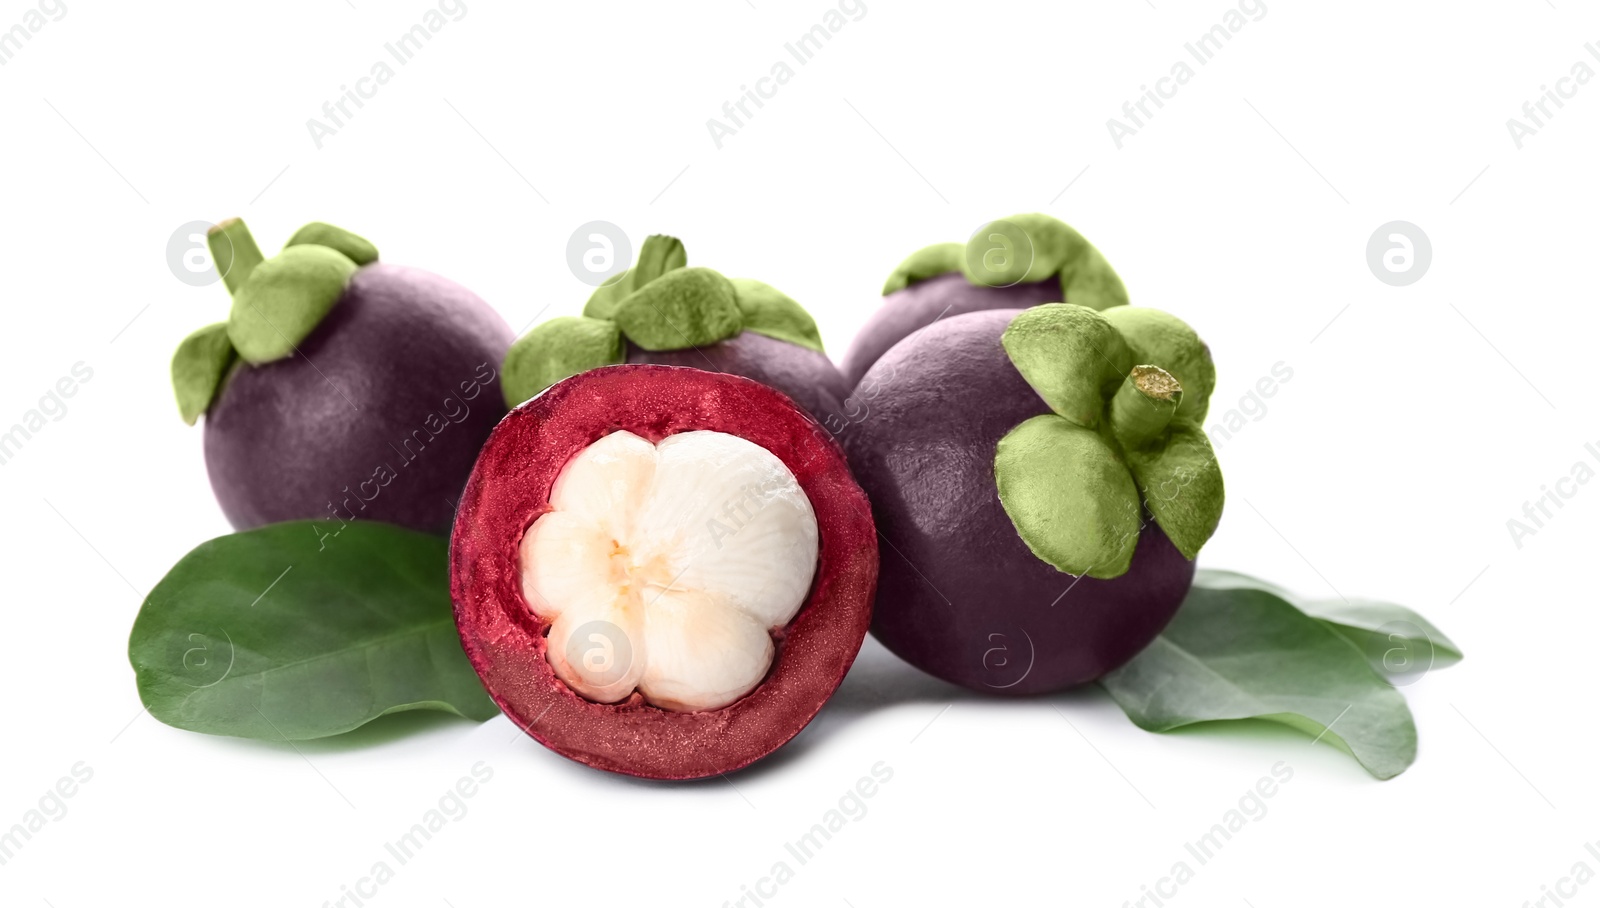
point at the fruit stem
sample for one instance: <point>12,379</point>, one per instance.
<point>233,251</point>
<point>1144,405</point>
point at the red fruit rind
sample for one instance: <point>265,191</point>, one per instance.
<point>510,488</point>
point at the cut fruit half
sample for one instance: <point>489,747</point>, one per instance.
<point>661,571</point>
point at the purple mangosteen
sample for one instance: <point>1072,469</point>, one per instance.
<point>1043,485</point>
<point>663,313</point>
<point>1013,263</point>
<point>340,387</point>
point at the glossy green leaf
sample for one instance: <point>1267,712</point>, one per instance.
<point>198,368</point>
<point>929,261</point>
<point>284,300</point>
<point>1072,501</point>
<point>766,310</point>
<point>1247,653</point>
<point>355,248</point>
<point>1182,485</point>
<point>1395,640</point>
<point>689,307</point>
<point>1071,355</point>
<point>290,632</point>
<point>557,349</point>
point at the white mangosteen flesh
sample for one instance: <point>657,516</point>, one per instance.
<point>667,568</point>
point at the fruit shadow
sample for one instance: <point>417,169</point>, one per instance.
<point>878,680</point>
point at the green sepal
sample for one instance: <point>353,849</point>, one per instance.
<point>766,310</point>
<point>1182,485</point>
<point>198,368</point>
<point>1164,340</point>
<point>557,349</point>
<point>658,255</point>
<point>1069,495</point>
<point>1089,280</point>
<point>929,261</point>
<point>1071,356</point>
<point>234,252</point>
<point>689,307</point>
<point>355,248</point>
<point>1024,248</point>
<point>284,300</point>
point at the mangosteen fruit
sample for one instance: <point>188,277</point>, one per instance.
<point>340,387</point>
<point>662,571</point>
<point>1042,484</point>
<point>660,311</point>
<point>1012,263</point>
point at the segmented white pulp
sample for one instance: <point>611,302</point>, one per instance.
<point>663,568</point>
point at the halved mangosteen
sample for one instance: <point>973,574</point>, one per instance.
<point>661,571</point>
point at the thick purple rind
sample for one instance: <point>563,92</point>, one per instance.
<point>378,415</point>
<point>926,302</point>
<point>960,595</point>
<point>805,376</point>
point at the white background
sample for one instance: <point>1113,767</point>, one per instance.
<point>1418,421</point>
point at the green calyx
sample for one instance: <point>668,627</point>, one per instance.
<point>277,303</point>
<point>557,349</point>
<point>658,304</point>
<point>1127,389</point>
<point>1024,248</point>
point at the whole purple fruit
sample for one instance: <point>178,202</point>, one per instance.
<point>340,388</point>
<point>1013,263</point>
<point>661,312</point>
<point>1042,484</point>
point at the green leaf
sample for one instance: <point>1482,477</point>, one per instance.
<point>1069,496</point>
<point>689,307</point>
<point>284,300</point>
<point>557,349</point>
<point>1244,653</point>
<point>929,261</point>
<point>1395,640</point>
<point>659,255</point>
<point>292,632</point>
<point>1071,355</point>
<point>355,248</point>
<point>1182,485</point>
<point>1161,339</point>
<point>767,311</point>
<point>198,367</point>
